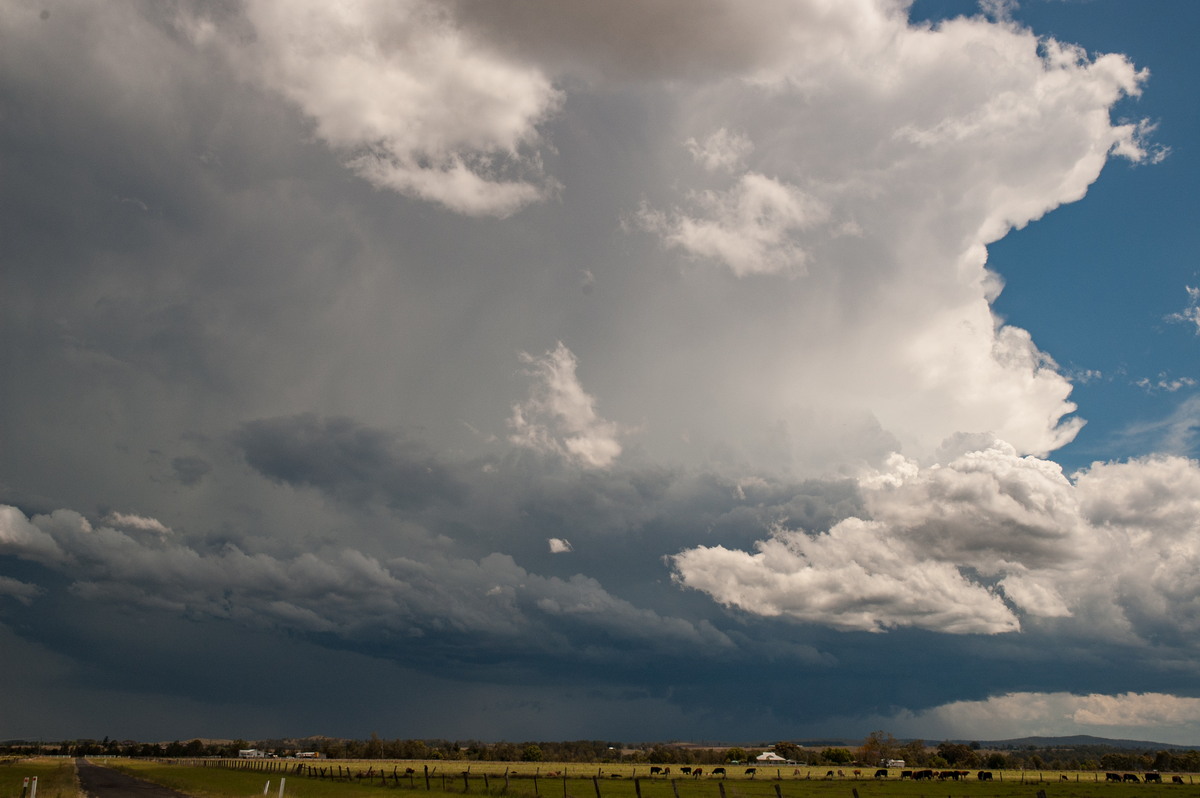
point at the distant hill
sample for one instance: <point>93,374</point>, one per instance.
<point>1079,740</point>
<point>1072,741</point>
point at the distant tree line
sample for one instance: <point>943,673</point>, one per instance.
<point>875,751</point>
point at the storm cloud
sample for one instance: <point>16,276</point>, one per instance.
<point>603,356</point>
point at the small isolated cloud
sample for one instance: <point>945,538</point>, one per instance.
<point>1165,383</point>
<point>750,227</point>
<point>559,546</point>
<point>1190,314</point>
<point>559,416</point>
<point>139,523</point>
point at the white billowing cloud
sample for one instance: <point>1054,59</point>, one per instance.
<point>750,227</point>
<point>560,417</point>
<point>849,578</point>
<point>560,546</point>
<point>928,144</point>
<point>413,102</point>
<point>986,543</point>
<point>1159,716</point>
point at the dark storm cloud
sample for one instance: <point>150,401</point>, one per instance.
<point>348,461</point>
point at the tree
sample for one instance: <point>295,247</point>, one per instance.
<point>837,756</point>
<point>531,753</point>
<point>735,754</point>
<point>878,747</point>
<point>958,755</point>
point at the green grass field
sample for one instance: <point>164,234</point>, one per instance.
<point>534,780</point>
<point>56,777</point>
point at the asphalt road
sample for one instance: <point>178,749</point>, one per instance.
<point>101,782</point>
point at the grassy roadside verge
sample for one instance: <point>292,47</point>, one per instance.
<point>55,775</point>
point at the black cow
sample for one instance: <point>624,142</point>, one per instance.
<point>906,774</point>
<point>687,771</point>
<point>922,775</point>
<point>1153,777</point>
<point>881,773</point>
<point>718,772</point>
<point>1112,776</point>
<point>984,775</point>
<point>829,774</point>
<point>655,770</point>
<point>1131,777</point>
<point>751,772</point>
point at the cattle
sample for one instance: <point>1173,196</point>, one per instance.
<point>655,770</point>
<point>687,771</point>
<point>751,772</point>
<point>984,775</point>
<point>1177,779</point>
<point>717,772</point>
<point>697,772</point>
<point>841,775</point>
<point>922,775</point>
<point>1112,776</point>
<point>666,771</point>
<point>1131,777</point>
<point>1153,777</point>
<point>881,773</point>
<point>906,774</point>
<point>857,773</point>
<point>829,774</point>
<point>1063,777</point>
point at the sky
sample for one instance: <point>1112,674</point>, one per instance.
<point>688,370</point>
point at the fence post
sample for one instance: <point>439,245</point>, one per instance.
<point>595,783</point>
<point>721,787</point>
<point>427,788</point>
<point>282,782</point>
<point>466,784</point>
<point>675,787</point>
<point>637,787</point>
<point>778,791</point>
